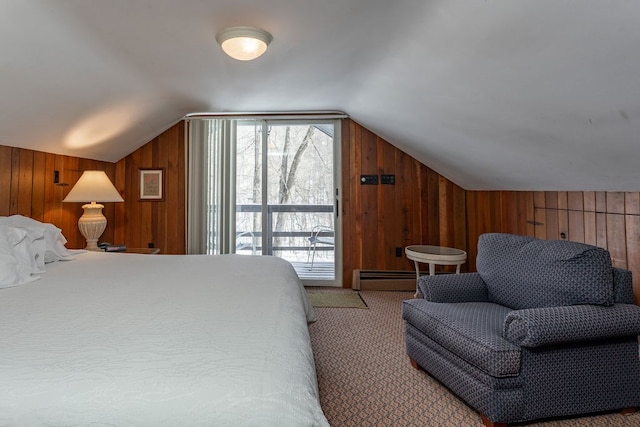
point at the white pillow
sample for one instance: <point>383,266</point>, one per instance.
<point>54,240</point>
<point>13,272</point>
<point>30,249</point>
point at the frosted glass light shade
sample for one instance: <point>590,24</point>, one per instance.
<point>93,186</point>
<point>244,43</point>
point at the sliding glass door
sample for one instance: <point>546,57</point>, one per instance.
<point>283,193</point>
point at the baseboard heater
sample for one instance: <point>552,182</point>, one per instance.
<point>384,280</point>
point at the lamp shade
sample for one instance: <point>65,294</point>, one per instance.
<point>244,43</point>
<point>93,186</point>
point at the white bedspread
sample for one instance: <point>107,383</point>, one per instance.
<point>158,340</point>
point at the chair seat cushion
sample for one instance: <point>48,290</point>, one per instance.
<point>471,330</point>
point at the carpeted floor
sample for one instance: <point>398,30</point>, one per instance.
<point>365,378</point>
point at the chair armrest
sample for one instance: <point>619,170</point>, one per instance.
<point>622,286</point>
<point>536,327</point>
<point>465,287</point>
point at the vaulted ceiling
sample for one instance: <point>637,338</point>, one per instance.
<point>494,94</point>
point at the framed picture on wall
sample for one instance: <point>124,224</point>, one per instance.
<point>151,184</point>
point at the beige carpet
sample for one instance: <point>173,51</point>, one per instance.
<point>365,378</point>
<point>336,299</point>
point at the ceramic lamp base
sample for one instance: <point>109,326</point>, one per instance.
<point>92,224</point>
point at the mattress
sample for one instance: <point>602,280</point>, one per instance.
<point>162,340</point>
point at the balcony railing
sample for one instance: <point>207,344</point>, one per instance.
<point>273,209</point>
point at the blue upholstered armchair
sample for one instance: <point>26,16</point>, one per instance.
<point>543,329</point>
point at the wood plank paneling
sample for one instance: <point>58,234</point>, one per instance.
<point>575,201</point>
<point>6,173</point>
<point>601,201</point>
<point>632,203</point>
<point>25,183</point>
<point>576,226</point>
<point>161,223</point>
<point>459,217</point>
<point>601,230</point>
<point>391,219</point>
<point>27,188</point>
<point>552,224</point>
<point>590,229</point>
<point>38,186</point>
<point>616,239</point>
<point>526,213</point>
<point>509,211</point>
<point>369,193</point>
<point>589,201</point>
<point>563,223</point>
<point>433,207</point>
<point>551,199</point>
<point>615,202</point>
<point>632,232</point>
<point>421,208</point>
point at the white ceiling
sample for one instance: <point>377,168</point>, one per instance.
<point>494,94</point>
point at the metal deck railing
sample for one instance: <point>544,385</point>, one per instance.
<point>251,240</point>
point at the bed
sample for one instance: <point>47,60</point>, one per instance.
<point>129,339</point>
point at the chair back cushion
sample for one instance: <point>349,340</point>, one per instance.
<point>525,272</point>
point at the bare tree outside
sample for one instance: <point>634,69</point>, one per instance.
<point>300,173</point>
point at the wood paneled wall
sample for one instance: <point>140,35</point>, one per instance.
<point>497,212</point>
<point>607,219</point>
<point>421,208</point>
<point>159,222</point>
<point>27,188</point>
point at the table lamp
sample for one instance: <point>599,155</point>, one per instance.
<point>93,186</point>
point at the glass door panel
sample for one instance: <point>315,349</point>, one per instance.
<point>286,194</point>
<point>249,218</point>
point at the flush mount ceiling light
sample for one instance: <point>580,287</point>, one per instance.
<point>244,43</point>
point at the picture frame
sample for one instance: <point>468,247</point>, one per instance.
<point>151,184</point>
